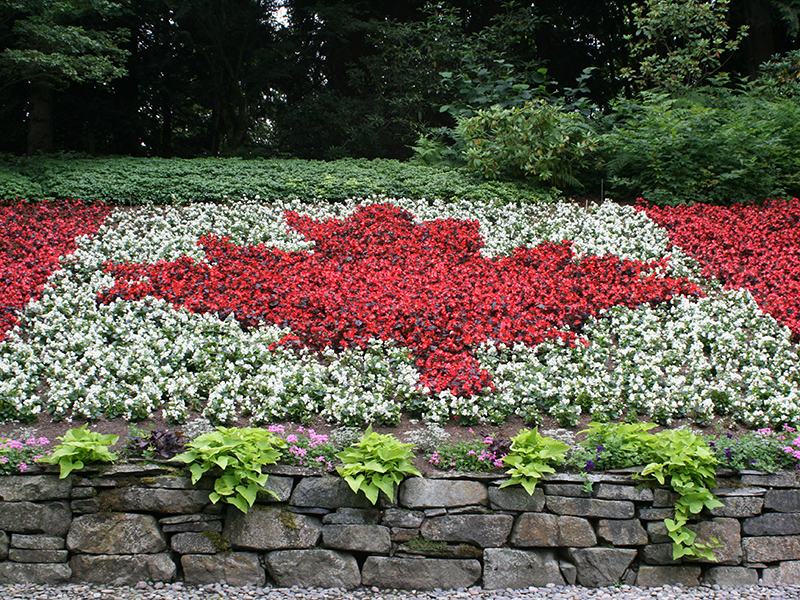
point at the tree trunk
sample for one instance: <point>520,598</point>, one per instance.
<point>40,119</point>
<point>760,40</point>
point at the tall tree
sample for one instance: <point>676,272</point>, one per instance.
<point>54,43</point>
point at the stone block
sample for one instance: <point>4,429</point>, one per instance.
<point>326,492</point>
<point>155,500</point>
<point>516,498</point>
<point>484,531</point>
<point>3,545</point>
<point>599,567</point>
<point>36,542</point>
<point>21,573</point>
<point>276,489</point>
<point>572,490</point>
<point>236,568</point>
<point>192,542</point>
<point>34,488</point>
<point>684,575</point>
<point>353,516</point>
<point>768,549</point>
<point>420,573</point>
<point>664,498</point>
<point>85,506</point>
<point>546,530</point>
<point>786,573</point>
<point>731,576</point>
<point>50,518</point>
<point>658,554</point>
<point>656,514</point>
<point>505,568</point>
<point>117,570</point>
<point>418,492</point>
<point>197,523</point>
<point>269,528</point>
<point>374,539</point>
<point>627,532</point>
<point>116,533</point>
<point>568,571</point>
<point>607,491</point>
<point>786,479</point>
<point>785,501</point>
<point>37,556</point>
<point>398,517</point>
<point>657,532</point>
<point>772,524</point>
<point>315,568</point>
<point>401,535</point>
<point>739,506</point>
<point>591,507</point>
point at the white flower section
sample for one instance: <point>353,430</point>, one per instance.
<point>691,358</point>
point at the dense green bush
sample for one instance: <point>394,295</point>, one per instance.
<point>126,180</point>
<point>535,139</point>
<point>15,185</point>
<point>713,146</point>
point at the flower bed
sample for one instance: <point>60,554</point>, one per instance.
<point>481,314</point>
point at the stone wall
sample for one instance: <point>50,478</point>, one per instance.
<point>149,523</point>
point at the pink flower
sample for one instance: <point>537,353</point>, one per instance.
<point>3,459</point>
<point>276,429</point>
<point>22,467</point>
<point>292,439</point>
<point>43,441</point>
<point>498,463</point>
<point>297,450</point>
<point>764,431</point>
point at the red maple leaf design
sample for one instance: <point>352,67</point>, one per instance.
<point>377,274</point>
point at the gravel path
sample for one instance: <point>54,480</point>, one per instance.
<point>179,591</point>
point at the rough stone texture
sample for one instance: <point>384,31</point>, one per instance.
<point>36,542</point>
<point>196,522</point>
<point>664,498</point>
<point>658,554</point>
<point>484,531</point>
<point>590,507</point>
<point>37,556</point>
<point>397,517</point>
<point>656,514</point>
<point>3,545</point>
<point>509,568</point>
<point>123,570</point>
<point>268,528</point>
<point>771,548</point>
<point>432,493</point>
<point>34,488</point>
<point>53,574</point>
<point>85,506</point>
<point>192,542</point>
<point>772,524</point>
<point>236,568</point>
<point>354,516</point>
<point>790,479</point>
<point>569,571</point>
<point>419,573</point>
<point>516,498</point>
<point>786,573</point>
<point>116,533</point>
<point>155,500</point>
<point>659,576</point>
<point>607,491</point>
<point>657,532</point>
<point>326,492</point>
<point>572,490</point>
<point>739,506</point>
<point>785,501</point>
<point>727,532</point>
<point>598,567</point>
<point>402,534</point>
<point>622,533</point>
<point>276,489</point>
<point>313,568</point>
<point>545,530</point>
<point>731,576</point>
<point>375,539</point>
<point>51,518</point>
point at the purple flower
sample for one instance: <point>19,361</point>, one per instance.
<point>600,449</point>
<point>730,435</point>
<point>589,466</point>
<point>727,453</point>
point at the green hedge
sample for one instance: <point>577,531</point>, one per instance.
<point>127,180</point>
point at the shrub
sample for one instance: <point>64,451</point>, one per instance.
<point>536,139</point>
<point>79,447</point>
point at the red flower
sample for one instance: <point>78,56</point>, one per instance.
<point>376,274</point>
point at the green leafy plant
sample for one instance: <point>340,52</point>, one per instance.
<point>684,462</point>
<point>615,445</point>
<point>79,447</point>
<point>535,139</point>
<point>762,450</point>
<point>240,453</point>
<point>531,457</point>
<point>376,464</point>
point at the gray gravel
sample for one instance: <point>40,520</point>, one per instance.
<point>179,591</point>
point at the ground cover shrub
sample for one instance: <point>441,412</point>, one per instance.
<point>78,448</point>
<point>716,147</point>
<point>531,457</point>
<point>128,180</point>
<point>17,455</point>
<point>760,450</point>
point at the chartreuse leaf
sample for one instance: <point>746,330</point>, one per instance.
<point>375,464</point>
<point>531,457</point>
<point>240,453</point>
<point>79,447</point>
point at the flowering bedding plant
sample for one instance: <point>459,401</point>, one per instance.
<point>364,310</point>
